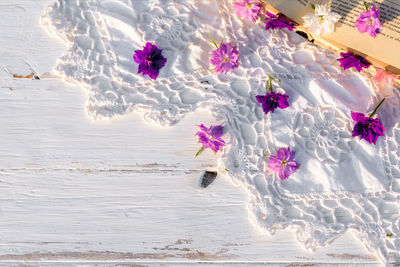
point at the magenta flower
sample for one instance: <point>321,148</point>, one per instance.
<point>368,128</point>
<point>272,100</point>
<point>349,60</point>
<point>283,163</point>
<point>150,60</point>
<point>210,138</point>
<point>368,21</point>
<point>272,22</point>
<point>225,58</point>
<point>248,9</point>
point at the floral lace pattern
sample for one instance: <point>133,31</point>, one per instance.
<point>324,134</point>
<point>238,163</point>
<point>317,123</point>
<point>167,27</point>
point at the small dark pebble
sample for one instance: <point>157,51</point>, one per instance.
<point>36,77</point>
<point>208,178</point>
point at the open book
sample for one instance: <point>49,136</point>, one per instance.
<point>381,51</point>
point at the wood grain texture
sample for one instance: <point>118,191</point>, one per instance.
<point>116,192</point>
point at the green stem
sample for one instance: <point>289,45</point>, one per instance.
<point>212,40</point>
<point>366,7</point>
<point>269,82</point>
<point>198,152</point>
<point>376,108</point>
<point>312,6</point>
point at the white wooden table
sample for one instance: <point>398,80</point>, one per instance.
<point>120,191</point>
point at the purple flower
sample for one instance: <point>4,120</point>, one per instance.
<point>248,9</point>
<point>150,60</point>
<point>272,22</point>
<point>283,162</point>
<point>349,60</point>
<point>225,58</point>
<point>367,128</point>
<point>368,21</point>
<point>210,138</point>
<point>273,100</point>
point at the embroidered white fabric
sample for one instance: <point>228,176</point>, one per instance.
<point>343,183</point>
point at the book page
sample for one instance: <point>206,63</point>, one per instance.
<point>384,47</point>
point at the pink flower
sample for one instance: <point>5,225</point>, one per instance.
<point>225,58</point>
<point>368,21</point>
<point>384,77</point>
<point>210,138</point>
<point>248,9</point>
<point>283,163</point>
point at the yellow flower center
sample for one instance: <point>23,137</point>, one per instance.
<point>249,6</point>
<point>321,19</point>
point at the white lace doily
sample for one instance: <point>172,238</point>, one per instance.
<point>343,183</point>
